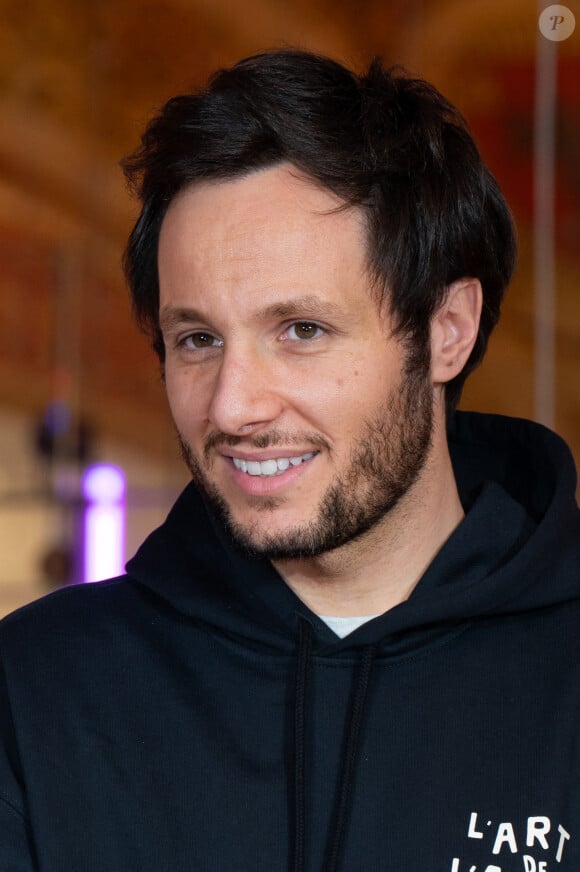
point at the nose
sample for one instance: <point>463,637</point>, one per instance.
<point>246,396</point>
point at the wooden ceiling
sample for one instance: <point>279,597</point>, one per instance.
<point>78,80</point>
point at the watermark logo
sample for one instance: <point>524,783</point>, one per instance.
<point>557,23</point>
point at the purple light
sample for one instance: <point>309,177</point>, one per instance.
<point>104,483</point>
<point>104,522</point>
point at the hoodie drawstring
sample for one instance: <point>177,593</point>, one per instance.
<point>355,721</point>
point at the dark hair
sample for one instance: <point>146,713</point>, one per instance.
<point>387,143</point>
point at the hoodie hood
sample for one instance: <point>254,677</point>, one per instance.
<point>517,483</point>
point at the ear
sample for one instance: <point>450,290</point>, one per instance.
<point>454,329</point>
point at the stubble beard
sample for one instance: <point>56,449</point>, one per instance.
<point>391,452</point>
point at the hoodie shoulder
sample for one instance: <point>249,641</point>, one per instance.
<point>72,611</point>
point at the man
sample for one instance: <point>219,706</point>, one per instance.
<point>354,645</point>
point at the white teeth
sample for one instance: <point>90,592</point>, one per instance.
<point>269,467</point>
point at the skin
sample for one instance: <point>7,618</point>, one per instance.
<point>276,348</point>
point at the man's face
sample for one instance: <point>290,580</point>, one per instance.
<point>298,413</point>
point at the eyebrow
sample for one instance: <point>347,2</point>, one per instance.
<point>308,306</point>
<point>173,316</point>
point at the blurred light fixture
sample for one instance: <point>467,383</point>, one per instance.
<point>103,546</point>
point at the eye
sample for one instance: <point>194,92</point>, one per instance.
<point>304,330</point>
<point>201,339</point>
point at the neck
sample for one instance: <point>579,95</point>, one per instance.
<point>380,569</point>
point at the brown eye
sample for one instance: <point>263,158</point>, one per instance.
<point>305,330</point>
<point>202,340</point>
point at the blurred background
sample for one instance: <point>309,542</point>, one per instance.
<point>78,384</point>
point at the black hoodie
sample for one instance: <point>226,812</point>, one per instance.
<point>195,716</point>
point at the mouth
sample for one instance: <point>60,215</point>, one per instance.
<point>272,467</point>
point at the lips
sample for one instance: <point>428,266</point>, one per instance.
<point>272,467</point>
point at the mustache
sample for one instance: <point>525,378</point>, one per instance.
<point>270,439</point>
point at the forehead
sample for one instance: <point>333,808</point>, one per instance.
<point>233,250</point>
<point>259,194</point>
<point>275,218</point>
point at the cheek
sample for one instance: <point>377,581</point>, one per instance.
<point>316,393</point>
<point>336,402</point>
<point>188,400</point>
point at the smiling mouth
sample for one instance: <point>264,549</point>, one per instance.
<point>273,467</point>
